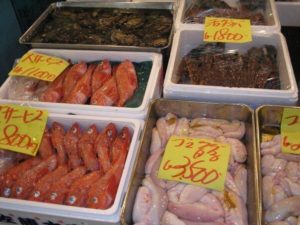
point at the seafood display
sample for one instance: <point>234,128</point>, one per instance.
<point>197,10</point>
<point>74,167</point>
<point>211,64</point>
<point>139,27</point>
<point>160,201</point>
<point>280,184</point>
<point>105,83</point>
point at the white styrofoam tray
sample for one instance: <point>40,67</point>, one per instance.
<point>57,212</point>
<point>153,90</point>
<point>188,39</point>
<point>271,18</point>
<point>288,13</point>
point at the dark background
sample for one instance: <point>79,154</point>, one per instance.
<point>16,16</point>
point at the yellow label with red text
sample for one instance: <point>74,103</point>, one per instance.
<point>227,30</point>
<point>290,131</point>
<point>196,161</point>
<point>39,66</point>
<point>21,128</point>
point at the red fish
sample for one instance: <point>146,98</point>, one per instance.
<point>82,90</point>
<point>121,144</point>
<point>46,148</point>
<point>44,184</point>
<point>101,74</point>
<point>86,148</point>
<point>58,190</point>
<point>107,94</point>
<point>77,194</point>
<point>73,75</point>
<point>57,138</point>
<point>54,91</point>
<point>71,145</point>
<point>24,185</point>
<point>126,81</point>
<point>102,194</point>
<point>103,145</point>
<point>9,177</point>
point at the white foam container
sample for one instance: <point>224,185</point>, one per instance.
<point>188,39</point>
<point>271,18</point>
<point>289,13</point>
<point>153,89</point>
<point>15,208</point>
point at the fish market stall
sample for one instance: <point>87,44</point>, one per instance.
<point>169,202</point>
<point>68,179</point>
<point>253,73</point>
<point>68,98</point>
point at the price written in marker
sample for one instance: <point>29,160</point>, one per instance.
<point>196,161</point>
<point>227,30</point>
<point>290,131</point>
<point>21,128</point>
<point>39,66</point>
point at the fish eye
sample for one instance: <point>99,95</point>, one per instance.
<point>7,192</point>
<point>53,196</point>
<point>36,194</point>
<point>19,190</point>
<point>95,199</point>
<point>72,199</point>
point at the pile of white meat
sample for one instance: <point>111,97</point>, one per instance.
<point>280,184</point>
<point>169,202</point>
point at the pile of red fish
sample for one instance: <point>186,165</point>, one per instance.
<point>74,167</point>
<point>99,84</point>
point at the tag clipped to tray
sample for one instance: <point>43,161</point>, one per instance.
<point>290,131</point>
<point>21,128</point>
<point>39,66</point>
<point>227,30</point>
<point>196,161</point>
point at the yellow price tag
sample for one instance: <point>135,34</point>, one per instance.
<point>196,161</point>
<point>21,128</point>
<point>39,66</point>
<point>227,30</point>
<point>290,131</point>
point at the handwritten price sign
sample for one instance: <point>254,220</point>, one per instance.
<point>39,66</point>
<point>21,128</point>
<point>290,131</point>
<point>227,30</point>
<point>196,161</point>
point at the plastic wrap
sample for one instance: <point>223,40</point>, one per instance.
<point>197,10</point>
<point>212,64</point>
<point>25,88</point>
<point>172,202</point>
<point>8,159</point>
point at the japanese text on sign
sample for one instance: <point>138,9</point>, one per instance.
<point>21,128</point>
<point>196,161</point>
<point>227,30</point>
<point>39,66</point>
<point>290,131</point>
